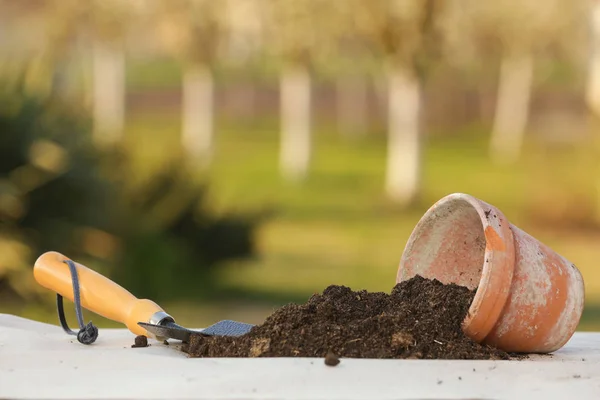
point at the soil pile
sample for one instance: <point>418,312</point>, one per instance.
<point>421,318</point>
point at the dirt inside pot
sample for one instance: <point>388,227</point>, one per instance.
<point>420,318</point>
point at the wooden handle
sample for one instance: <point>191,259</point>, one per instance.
<point>97,293</point>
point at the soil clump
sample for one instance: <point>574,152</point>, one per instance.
<point>419,319</point>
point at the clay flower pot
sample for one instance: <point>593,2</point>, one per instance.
<point>529,299</point>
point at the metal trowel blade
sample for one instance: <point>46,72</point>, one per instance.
<point>178,332</point>
<point>227,327</point>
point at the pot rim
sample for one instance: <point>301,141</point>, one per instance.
<point>498,267</point>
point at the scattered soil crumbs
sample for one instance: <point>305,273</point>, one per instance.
<point>420,319</point>
<point>140,341</point>
<point>331,359</point>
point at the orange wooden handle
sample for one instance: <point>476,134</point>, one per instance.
<point>97,293</point>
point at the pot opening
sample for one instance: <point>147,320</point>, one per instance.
<point>448,244</point>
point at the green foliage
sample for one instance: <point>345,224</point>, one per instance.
<point>173,241</point>
<point>47,164</point>
<point>55,185</point>
<point>49,181</point>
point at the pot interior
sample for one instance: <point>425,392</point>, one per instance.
<point>447,244</point>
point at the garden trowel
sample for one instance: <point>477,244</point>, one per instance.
<point>104,297</point>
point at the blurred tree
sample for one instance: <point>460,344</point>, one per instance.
<point>343,55</point>
<point>50,186</point>
<point>403,33</point>
<point>516,31</point>
<point>105,24</point>
<point>59,192</point>
<point>193,31</point>
<point>243,36</point>
<point>62,32</point>
<point>242,56</point>
<point>290,34</point>
<point>593,84</point>
<point>294,30</point>
<point>109,22</point>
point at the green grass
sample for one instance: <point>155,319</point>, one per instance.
<point>337,227</point>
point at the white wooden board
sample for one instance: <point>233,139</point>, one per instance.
<point>40,361</point>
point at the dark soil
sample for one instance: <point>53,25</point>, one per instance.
<point>140,341</point>
<point>331,359</point>
<point>421,318</point>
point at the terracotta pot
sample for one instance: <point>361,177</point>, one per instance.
<point>529,298</point>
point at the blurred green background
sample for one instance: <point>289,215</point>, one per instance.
<point>225,158</point>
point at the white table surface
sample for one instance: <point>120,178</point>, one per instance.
<point>41,361</point>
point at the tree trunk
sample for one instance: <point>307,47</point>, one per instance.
<point>197,134</point>
<point>64,77</point>
<point>61,78</point>
<point>352,106</point>
<point>593,83</point>
<point>108,92</point>
<point>296,122</point>
<point>403,173</point>
<point>512,108</point>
